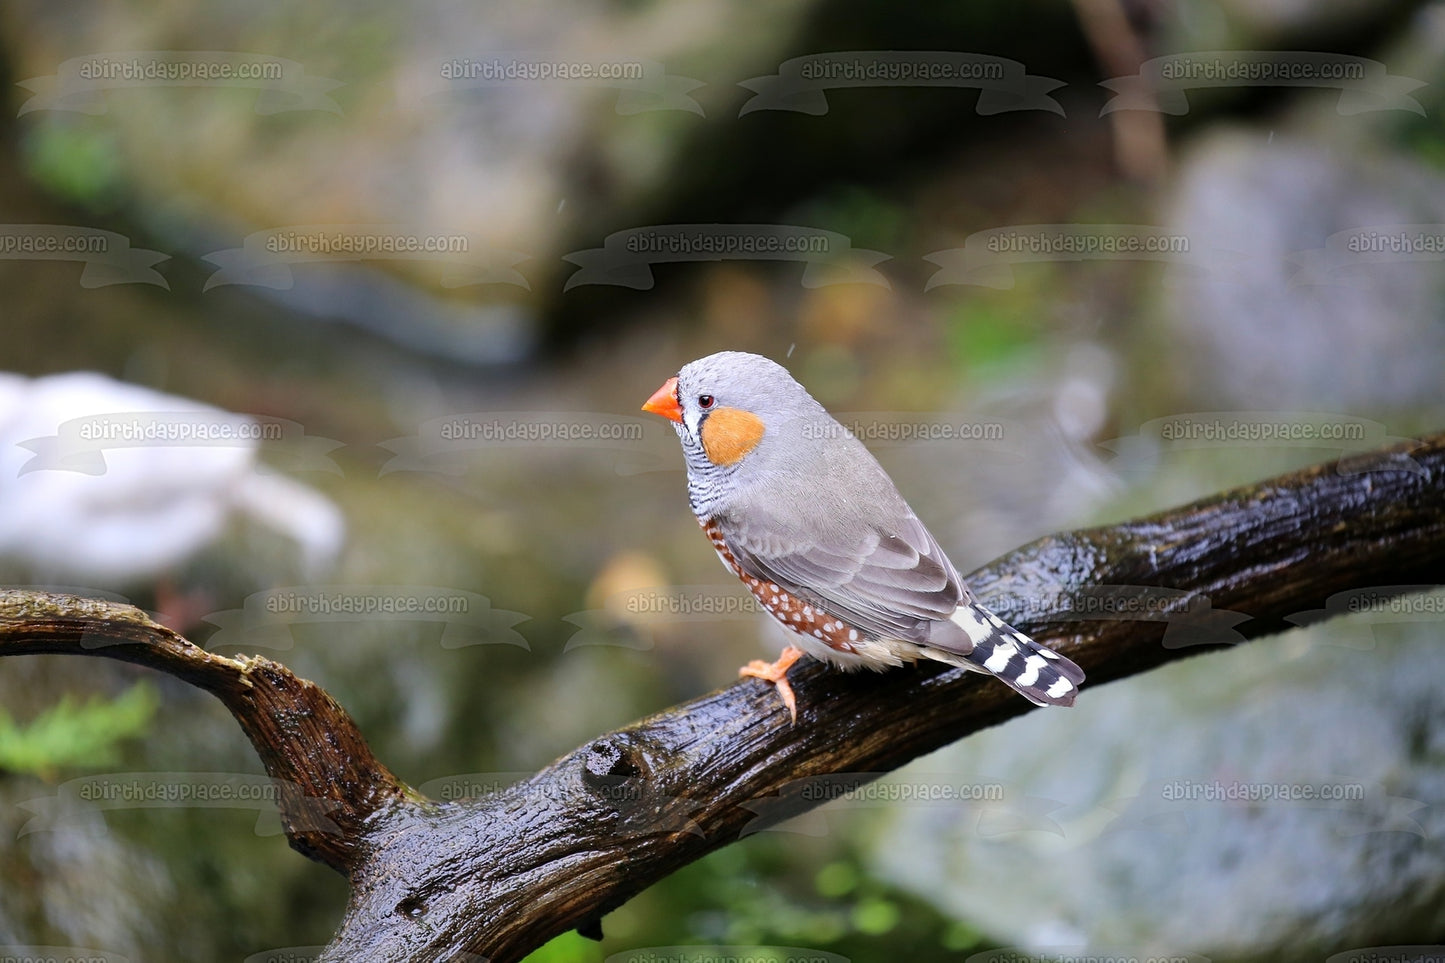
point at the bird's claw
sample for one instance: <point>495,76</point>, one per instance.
<point>777,674</point>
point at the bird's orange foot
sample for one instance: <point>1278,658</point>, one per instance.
<point>777,674</point>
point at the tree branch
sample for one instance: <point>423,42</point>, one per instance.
<point>329,780</point>
<point>500,875</point>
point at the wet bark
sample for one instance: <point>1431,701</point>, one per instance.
<point>498,876</point>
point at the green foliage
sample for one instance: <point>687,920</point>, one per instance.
<point>75,735</point>
<point>838,878</point>
<point>81,165</point>
<point>1426,142</point>
<point>867,218</point>
<point>875,916</point>
<point>984,332</point>
<point>570,947</point>
<point>1418,135</point>
<point>775,890</point>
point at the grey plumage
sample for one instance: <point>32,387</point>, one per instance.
<point>810,509</point>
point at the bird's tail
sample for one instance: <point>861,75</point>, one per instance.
<point>1039,674</point>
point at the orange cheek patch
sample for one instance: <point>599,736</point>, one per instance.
<point>730,433</point>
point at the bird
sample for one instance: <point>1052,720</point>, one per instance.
<point>799,510</point>
<point>150,507</point>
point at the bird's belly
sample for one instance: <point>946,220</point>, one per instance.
<point>875,654</point>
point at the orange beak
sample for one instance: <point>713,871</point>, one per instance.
<point>664,401</point>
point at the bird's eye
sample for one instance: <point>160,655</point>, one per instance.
<point>706,401</point>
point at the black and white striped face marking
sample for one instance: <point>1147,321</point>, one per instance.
<point>694,413</point>
<point>718,429</point>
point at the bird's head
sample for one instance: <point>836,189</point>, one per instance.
<point>732,411</point>
<point>728,404</point>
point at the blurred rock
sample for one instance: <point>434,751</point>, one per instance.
<point>1232,22</point>
<point>1281,317</point>
<point>422,121</point>
<point>70,876</point>
<point>1020,463</point>
<point>1346,704</point>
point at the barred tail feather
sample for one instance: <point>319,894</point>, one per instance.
<point>1039,674</point>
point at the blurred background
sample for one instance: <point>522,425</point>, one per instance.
<point>1066,284</point>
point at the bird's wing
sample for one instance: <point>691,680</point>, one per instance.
<point>892,581</point>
